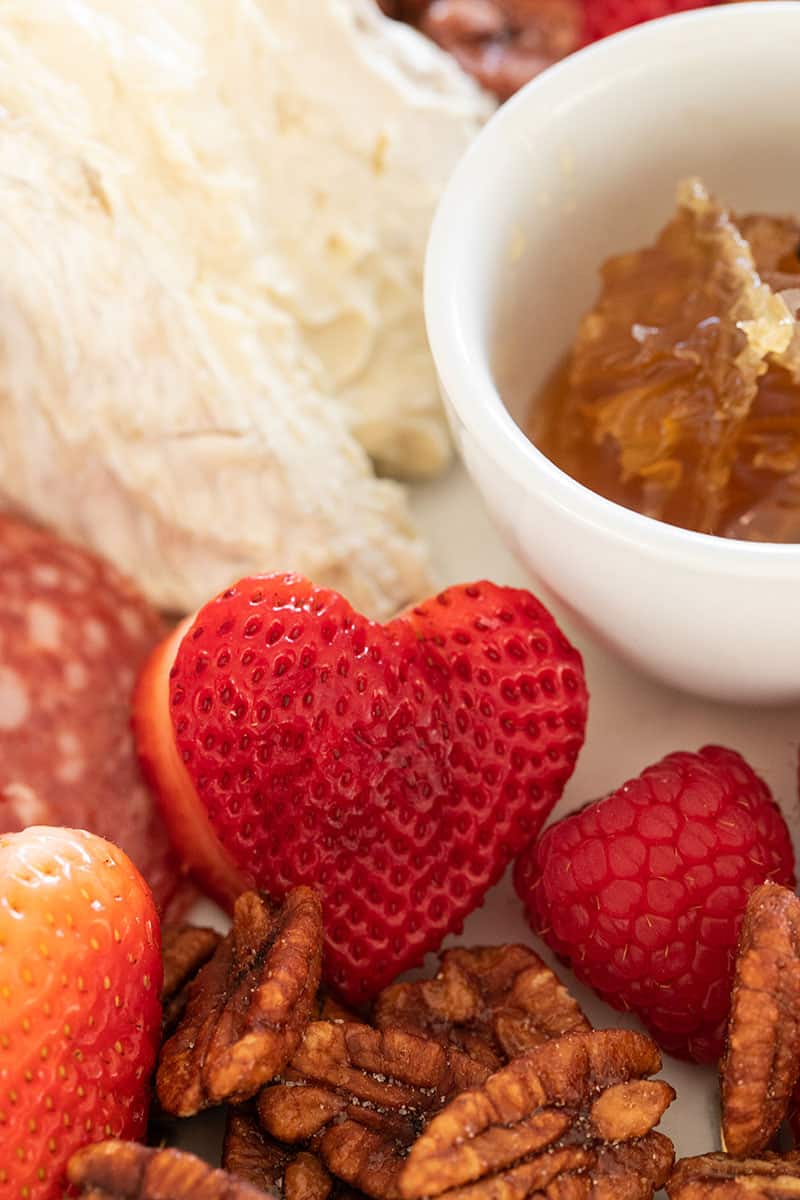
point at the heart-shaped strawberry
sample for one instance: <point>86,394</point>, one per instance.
<point>395,768</point>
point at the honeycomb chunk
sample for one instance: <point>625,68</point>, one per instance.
<point>681,398</point>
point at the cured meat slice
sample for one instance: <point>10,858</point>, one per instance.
<point>73,634</point>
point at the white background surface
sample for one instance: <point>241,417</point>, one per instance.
<point>632,722</point>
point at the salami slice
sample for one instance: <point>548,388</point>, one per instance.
<point>73,635</point>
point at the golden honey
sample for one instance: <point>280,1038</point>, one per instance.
<point>681,395</point>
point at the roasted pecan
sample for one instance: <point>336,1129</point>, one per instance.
<point>184,950</point>
<point>761,1064</point>
<point>127,1171</point>
<point>794,1116</point>
<point>502,43</point>
<point>252,1154</point>
<point>573,1118</point>
<point>363,1095</point>
<point>249,1153</point>
<point>496,1003</point>
<point>328,1008</point>
<point>720,1177</point>
<point>248,1006</point>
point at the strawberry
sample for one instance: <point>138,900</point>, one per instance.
<point>396,768</point>
<point>643,892</point>
<point>80,1009</point>
<point>603,17</point>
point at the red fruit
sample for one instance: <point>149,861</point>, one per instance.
<point>603,17</point>
<point>395,768</point>
<point>643,892</point>
<point>80,1008</point>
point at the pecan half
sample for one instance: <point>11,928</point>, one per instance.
<point>249,1153</point>
<point>184,950</point>
<point>363,1095</point>
<point>496,1003</point>
<point>298,1174</point>
<point>502,43</point>
<point>794,1116</point>
<point>328,1008</point>
<point>248,1006</point>
<point>761,1064</point>
<point>127,1171</point>
<point>719,1177</point>
<point>574,1118</point>
<point>252,1154</point>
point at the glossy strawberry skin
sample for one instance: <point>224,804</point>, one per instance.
<point>643,892</point>
<point>80,1010</point>
<point>396,768</point>
<point>604,17</point>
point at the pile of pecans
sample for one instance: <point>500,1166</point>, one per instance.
<point>484,1083</point>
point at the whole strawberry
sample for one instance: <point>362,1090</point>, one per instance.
<point>603,17</point>
<point>397,769</point>
<point>80,1010</point>
<point>643,892</point>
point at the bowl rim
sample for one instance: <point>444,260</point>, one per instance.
<point>463,370</point>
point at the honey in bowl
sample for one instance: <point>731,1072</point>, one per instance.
<point>681,395</point>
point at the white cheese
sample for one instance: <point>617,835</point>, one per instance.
<point>212,221</point>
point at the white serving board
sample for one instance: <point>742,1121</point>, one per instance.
<point>632,722</point>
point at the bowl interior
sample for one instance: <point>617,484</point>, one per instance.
<point>585,161</point>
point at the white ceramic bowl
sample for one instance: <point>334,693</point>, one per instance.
<point>581,164</point>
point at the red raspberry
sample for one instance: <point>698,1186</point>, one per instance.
<point>643,892</point>
<point>603,17</point>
